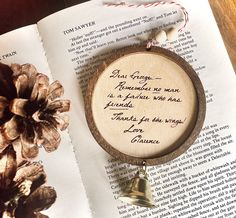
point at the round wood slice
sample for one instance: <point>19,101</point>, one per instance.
<point>145,105</point>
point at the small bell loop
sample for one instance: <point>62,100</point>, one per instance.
<point>145,166</point>
<point>142,172</point>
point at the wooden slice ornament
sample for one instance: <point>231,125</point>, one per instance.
<point>145,105</point>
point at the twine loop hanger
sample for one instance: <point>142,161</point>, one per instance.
<point>163,35</point>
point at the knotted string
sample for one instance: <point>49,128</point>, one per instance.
<point>153,4</point>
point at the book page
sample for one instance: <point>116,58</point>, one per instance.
<point>199,183</point>
<point>24,46</point>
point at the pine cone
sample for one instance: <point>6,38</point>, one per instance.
<point>22,190</point>
<point>30,109</point>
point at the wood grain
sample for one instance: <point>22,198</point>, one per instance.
<point>225,15</point>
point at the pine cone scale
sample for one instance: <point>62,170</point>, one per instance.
<point>10,130</point>
<point>42,94</point>
<point>3,141</point>
<point>55,90</point>
<point>40,88</point>
<point>58,106</point>
<point>29,150</point>
<point>18,105</point>
<point>62,122</point>
<point>21,84</point>
<point>23,80</point>
<point>31,171</point>
<point>8,167</point>
<point>50,138</point>
<point>41,199</point>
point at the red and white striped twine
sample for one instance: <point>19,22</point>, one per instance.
<point>153,4</point>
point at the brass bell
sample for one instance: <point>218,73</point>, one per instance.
<point>138,191</point>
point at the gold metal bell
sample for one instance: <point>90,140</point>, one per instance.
<point>138,191</point>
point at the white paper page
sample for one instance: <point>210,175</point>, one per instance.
<point>199,183</point>
<point>24,46</point>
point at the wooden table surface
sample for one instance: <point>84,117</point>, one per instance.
<point>18,13</point>
<point>225,15</point>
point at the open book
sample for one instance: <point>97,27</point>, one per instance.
<point>69,46</point>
